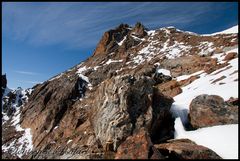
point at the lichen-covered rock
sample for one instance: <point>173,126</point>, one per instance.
<point>124,105</point>
<point>210,110</point>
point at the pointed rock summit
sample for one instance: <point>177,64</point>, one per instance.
<point>139,30</point>
<point>108,43</point>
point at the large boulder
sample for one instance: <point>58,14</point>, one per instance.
<point>210,110</point>
<point>185,149</point>
<point>123,105</point>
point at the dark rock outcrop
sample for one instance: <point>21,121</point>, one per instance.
<point>4,81</point>
<point>210,110</point>
<point>185,149</point>
<point>139,30</point>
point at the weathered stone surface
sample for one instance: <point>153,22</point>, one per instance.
<point>48,104</point>
<point>210,110</point>
<point>188,81</point>
<point>185,149</point>
<point>138,146</point>
<point>124,105</point>
<point>139,30</point>
<point>108,43</point>
<point>170,88</point>
<point>230,56</point>
<point>233,101</point>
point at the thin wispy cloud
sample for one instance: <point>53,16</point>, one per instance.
<point>81,24</point>
<point>26,72</point>
<point>30,82</point>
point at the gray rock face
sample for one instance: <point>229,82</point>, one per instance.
<point>124,105</point>
<point>210,110</point>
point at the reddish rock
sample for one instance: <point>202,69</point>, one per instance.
<point>210,110</point>
<point>170,88</point>
<point>139,30</point>
<point>185,149</point>
<point>230,56</point>
<point>138,146</point>
<point>108,43</point>
<point>189,80</point>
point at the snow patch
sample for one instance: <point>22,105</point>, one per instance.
<point>164,72</point>
<point>183,77</point>
<point>206,47</point>
<point>113,61</point>
<point>56,77</point>
<point>24,143</point>
<point>121,42</point>
<point>232,30</point>
<point>151,32</point>
<point>79,73</point>
<point>221,139</point>
<point>69,141</point>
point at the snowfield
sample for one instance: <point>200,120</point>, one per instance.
<point>232,30</point>
<point>24,143</point>
<point>221,139</point>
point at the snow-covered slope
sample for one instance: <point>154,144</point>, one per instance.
<point>231,30</point>
<point>222,139</point>
<point>12,102</point>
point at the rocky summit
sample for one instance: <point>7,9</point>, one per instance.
<point>122,101</point>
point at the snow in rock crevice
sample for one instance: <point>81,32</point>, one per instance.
<point>121,42</point>
<point>164,72</point>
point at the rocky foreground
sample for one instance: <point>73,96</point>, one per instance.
<point>119,102</point>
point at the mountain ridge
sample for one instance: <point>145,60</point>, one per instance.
<point>104,101</point>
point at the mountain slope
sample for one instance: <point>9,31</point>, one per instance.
<point>124,90</point>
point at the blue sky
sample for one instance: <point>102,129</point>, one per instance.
<point>42,39</point>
